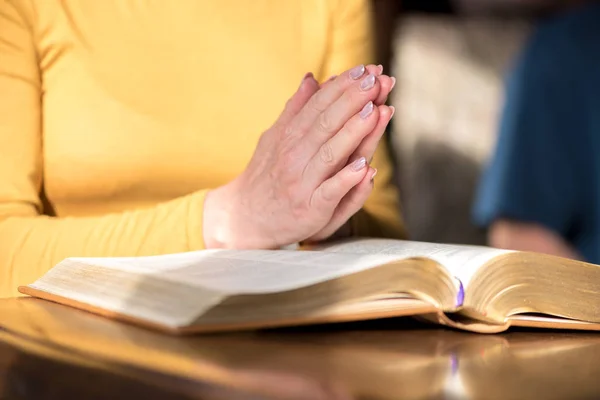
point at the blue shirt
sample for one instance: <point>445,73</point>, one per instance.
<point>546,166</point>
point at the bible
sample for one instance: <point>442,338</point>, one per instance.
<point>472,288</point>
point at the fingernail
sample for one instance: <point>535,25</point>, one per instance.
<point>332,77</point>
<point>393,83</point>
<point>373,174</point>
<point>393,111</point>
<point>357,72</point>
<point>367,110</point>
<point>308,75</point>
<point>359,164</point>
<point>380,69</point>
<point>368,82</point>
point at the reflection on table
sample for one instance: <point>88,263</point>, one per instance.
<point>51,351</point>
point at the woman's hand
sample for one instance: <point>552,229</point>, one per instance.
<point>299,183</point>
<point>339,225</point>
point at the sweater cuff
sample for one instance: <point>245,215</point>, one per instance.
<point>195,222</point>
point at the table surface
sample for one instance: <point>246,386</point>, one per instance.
<point>51,351</point>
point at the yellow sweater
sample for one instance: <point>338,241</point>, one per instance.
<point>116,117</point>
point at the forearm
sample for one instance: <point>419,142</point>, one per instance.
<point>522,236</point>
<point>30,246</point>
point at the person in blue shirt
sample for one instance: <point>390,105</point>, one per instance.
<point>541,189</point>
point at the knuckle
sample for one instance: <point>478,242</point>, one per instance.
<point>293,193</point>
<point>325,123</point>
<point>288,160</point>
<point>330,193</point>
<point>299,203</point>
<point>317,102</point>
<point>288,131</point>
<point>299,214</point>
<point>326,154</point>
<point>324,195</point>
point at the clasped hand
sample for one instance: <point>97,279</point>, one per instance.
<point>310,171</point>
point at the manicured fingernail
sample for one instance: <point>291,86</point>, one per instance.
<point>380,69</point>
<point>393,83</point>
<point>359,164</point>
<point>393,109</point>
<point>373,174</point>
<point>306,76</point>
<point>357,72</point>
<point>368,82</point>
<point>367,110</point>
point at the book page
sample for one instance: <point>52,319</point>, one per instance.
<point>462,261</point>
<point>245,272</point>
<point>175,289</point>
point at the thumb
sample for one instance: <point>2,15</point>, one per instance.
<point>308,87</point>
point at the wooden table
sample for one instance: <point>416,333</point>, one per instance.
<point>48,351</point>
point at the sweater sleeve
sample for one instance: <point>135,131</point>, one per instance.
<point>352,43</point>
<point>30,242</point>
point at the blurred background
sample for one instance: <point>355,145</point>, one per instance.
<point>451,58</point>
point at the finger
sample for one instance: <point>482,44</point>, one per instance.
<point>334,153</point>
<point>369,144</point>
<point>328,195</point>
<point>337,114</point>
<point>349,205</point>
<point>387,83</point>
<point>328,95</point>
<point>376,70</point>
<point>327,82</point>
<point>308,87</point>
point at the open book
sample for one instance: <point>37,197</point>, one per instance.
<point>467,287</point>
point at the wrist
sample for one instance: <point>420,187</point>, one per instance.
<point>229,221</point>
<point>218,229</point>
